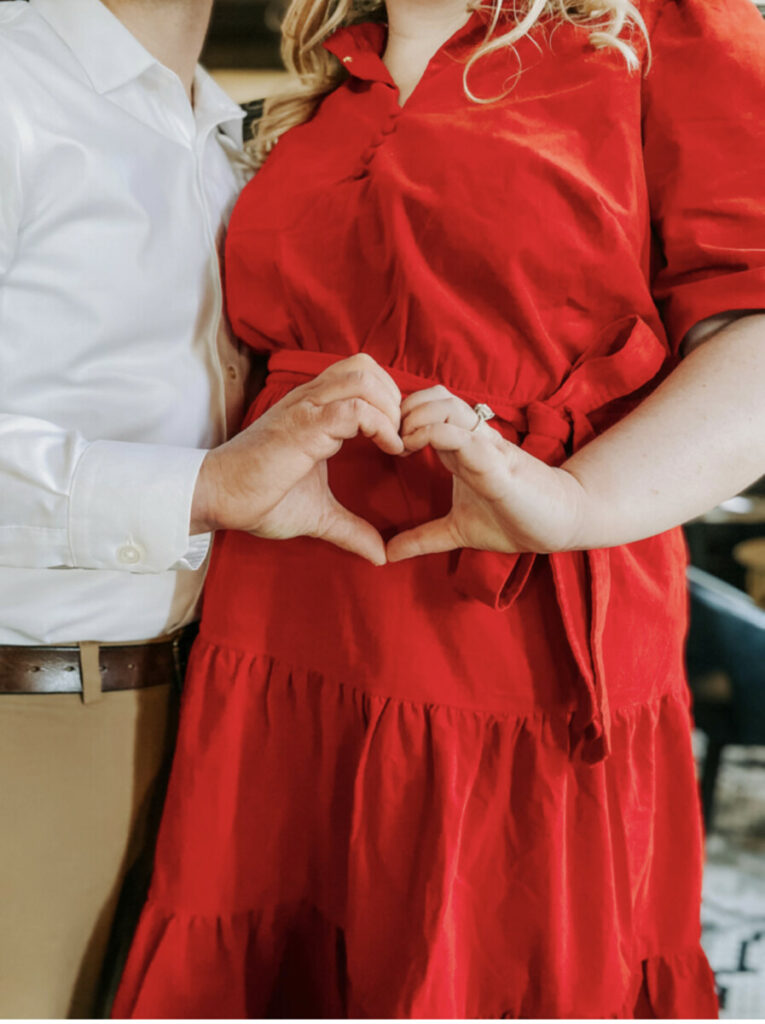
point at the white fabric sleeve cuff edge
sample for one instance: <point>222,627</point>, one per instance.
<point>130,508</point>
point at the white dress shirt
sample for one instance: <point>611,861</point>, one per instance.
<point>116,368</point>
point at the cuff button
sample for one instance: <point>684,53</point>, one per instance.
<point>129,554</point>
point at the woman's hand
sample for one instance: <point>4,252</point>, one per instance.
<point>271,480</point>
<point>503,499</point>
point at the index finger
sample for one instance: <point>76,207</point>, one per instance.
<point>362,362</point>
<point>359,382</point>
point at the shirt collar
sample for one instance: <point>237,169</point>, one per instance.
<point>110,55</point>
<point>360,48</point>
<point>213,106</point>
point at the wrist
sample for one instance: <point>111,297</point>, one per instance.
<point>204,504</point>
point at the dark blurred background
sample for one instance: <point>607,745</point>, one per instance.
<point>243,46</point>
<point>244,34</point>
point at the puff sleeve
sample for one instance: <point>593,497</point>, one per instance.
<point>704,152</point>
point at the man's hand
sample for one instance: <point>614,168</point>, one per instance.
<point>271,480</point>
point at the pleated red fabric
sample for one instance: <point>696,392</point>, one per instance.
<point>463,785</point>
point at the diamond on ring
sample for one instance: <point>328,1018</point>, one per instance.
<point>484,413</point>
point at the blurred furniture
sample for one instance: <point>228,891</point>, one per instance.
<point>726,670</point>
<point>751,554</point>
<point>713,536</point>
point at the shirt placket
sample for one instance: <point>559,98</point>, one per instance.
<point>359,57</point>
<point>229,384</point>
<point>373,147</point>
<point>359,48</point>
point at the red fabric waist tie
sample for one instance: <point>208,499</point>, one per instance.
<point>550,429</point>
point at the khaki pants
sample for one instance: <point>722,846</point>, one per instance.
<point>80,792</point>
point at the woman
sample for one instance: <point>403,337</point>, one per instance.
<point>461,784</point>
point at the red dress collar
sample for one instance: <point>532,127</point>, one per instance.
<point>359,48</point>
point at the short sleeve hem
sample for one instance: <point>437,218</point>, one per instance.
<point>726,293</point>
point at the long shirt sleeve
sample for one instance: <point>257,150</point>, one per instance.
<point>68,502</point>
<point>117,370</point>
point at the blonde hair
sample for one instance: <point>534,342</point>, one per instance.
<point>316,72</point>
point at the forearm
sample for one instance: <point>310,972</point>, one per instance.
<point>698,439</point>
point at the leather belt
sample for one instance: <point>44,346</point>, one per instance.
<point>59,669</point>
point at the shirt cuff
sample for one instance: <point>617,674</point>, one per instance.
<point>196,553</point>
<point>130,508</point>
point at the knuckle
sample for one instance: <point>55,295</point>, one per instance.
<point>328,413</point>
<point>359,366</point>
<point>364,358</point>
<point>353,407</point>
<point>303,413</point>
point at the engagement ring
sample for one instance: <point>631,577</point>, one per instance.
<point>484,413</point>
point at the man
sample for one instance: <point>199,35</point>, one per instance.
<point>119,164</point>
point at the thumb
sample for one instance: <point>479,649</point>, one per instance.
<point>352,533</point>
<point>426,539</point>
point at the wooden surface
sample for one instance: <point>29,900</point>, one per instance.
<point>243,86</point>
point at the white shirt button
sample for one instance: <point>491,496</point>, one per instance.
<point>129,554</point>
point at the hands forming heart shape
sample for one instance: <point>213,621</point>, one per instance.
<point>271,480</point>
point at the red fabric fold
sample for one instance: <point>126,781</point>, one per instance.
<point>554,428</point>
<point>377,874</point>
<point>620,363</point>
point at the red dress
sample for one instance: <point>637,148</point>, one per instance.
<point>462,785</point>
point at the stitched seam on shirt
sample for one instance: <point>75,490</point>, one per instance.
<point>38,529</point>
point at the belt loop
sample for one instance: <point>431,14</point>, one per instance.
<point>90,672</point>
